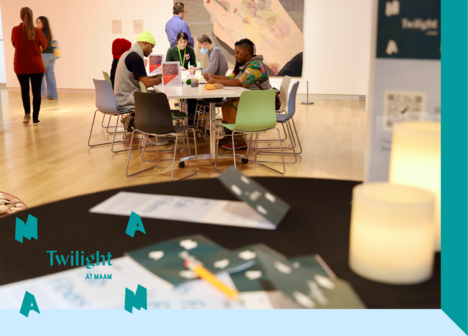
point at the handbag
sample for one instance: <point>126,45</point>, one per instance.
<point>277,98</point>
<point>56,49</point>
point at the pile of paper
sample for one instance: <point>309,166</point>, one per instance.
<point>256,271</point>
<point>264,278</point>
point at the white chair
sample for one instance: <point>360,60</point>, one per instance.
<point>284,94</point>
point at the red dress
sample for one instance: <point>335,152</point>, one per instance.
<point>28,57</point>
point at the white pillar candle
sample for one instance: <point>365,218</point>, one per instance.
<point>415,160</point>
<point>184,77</point>
<point>391,233</point>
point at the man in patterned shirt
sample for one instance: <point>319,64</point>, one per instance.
<point>250,73</point>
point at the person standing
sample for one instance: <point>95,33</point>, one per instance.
<point>28,42</point>
<point>119,46</point>
<point>48,57</point>
<point>177,24</point>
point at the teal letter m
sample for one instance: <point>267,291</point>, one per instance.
<point>28,230</point>
<point>138,300</point>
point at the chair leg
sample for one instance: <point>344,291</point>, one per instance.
<point>297,136</point>
<point>248,147</point>
<point>91,132</point>
<point>291,136</point>
<point>128,161</point>
<point>217,148</point>
<point>114,142</point>
<point>102,121</point>
<point>196,152</point>
<point>282,156</point>
<point>233,149</point>
<point>173,159</point>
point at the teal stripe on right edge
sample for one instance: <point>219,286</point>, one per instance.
<point>454,161</point>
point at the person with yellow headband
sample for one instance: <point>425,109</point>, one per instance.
<point>131,70</point>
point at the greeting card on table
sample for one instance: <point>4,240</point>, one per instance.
<point>166,259</point>
<point>171,73</point>
<point>155,64</point>
<point>258,208</point>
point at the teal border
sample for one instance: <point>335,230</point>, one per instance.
<point>454,161</point>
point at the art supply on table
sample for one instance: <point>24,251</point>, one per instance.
<point>206,275</point>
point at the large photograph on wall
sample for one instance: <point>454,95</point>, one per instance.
<point>275,26</point>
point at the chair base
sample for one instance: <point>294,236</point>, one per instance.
<point>243,157</point>
<point>176,135</point>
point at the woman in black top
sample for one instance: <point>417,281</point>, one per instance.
<point>182,53</point>
<point>48,57</point>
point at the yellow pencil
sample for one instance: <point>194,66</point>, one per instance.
<point>206,275</point>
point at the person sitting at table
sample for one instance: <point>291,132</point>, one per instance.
<point>250,73</point>
<point>131,71</point>
<point>119,46</point>
<point>184,54</point>
<point>218,64</point>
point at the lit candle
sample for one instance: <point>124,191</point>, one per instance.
<point>184,77</point>
<point>392,233</point>
<point>415,160</point>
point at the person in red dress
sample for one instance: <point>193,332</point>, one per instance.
<point>29,42</point>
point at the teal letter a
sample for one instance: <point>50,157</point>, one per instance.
<point>28,230</point>
<point>29,303</point>
<point>138,300</point>
<point>134,224</point>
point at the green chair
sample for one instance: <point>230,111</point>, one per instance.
<point>255,114</point>
<point>198,64</point>
<point>106,76</point>
<point>176,114</point>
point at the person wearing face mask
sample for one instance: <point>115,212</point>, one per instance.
<point>218,61</point>
<point>131,70</point>
<point>250,73</point>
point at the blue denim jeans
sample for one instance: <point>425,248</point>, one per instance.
<point>49,77</point>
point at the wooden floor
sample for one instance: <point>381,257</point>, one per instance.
<point>52,161</point>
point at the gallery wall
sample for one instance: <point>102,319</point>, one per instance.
<point>336,39</point>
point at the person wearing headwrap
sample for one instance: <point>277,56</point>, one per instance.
<point>119,46</point>
<point>131,71</point>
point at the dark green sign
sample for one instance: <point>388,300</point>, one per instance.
<point>409,29</point>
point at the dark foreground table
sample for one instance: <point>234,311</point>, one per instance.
<point>318,222</point>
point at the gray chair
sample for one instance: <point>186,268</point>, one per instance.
<point>287,121</point>
<point>107,77</point>
<point>153,117</point>
<point>105,104</point>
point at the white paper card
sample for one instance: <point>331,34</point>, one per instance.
<point>71,290</point>
<point>171,73</point>
<point>188,209</point>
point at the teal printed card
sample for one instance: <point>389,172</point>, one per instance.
<point>256,196</point>
<point>166,259</point>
